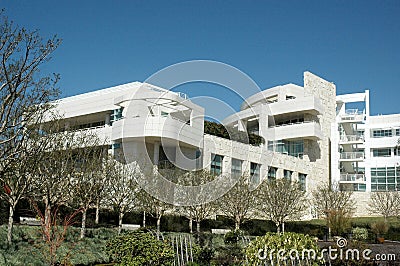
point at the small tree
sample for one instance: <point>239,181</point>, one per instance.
<point>122,189</point>
<point>334,205</point>
<point>87,180</point>
<point>199,212</point>
<point>239,203</point>
<point>385,203</point>
<point>155,207</point>
<point>281,201</point>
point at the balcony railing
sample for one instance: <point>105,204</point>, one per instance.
<point>295,123</point>
<point>351,138</point>
<point>351,155</point>
<point>352,177</point>
<point>353,114</point>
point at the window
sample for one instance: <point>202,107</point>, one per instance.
<point>381,133</point>
<point>385,179</point>
<point>287,174</point>
<point>272,173</point>
<point>116,115</point>
<point>397,131</point>
<point>290,97</point>
<point>255,173</point>
<point>382,152</point>
<point>236,169</point>
<point>292,148</point>
<point>216,164</point>
<point>302,181</point>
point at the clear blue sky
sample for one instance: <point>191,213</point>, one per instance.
<point>355,44</point>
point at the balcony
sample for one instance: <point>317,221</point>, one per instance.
<point>352,139</point>
<point>352,156</point>
<point>352,178</point>
<point>352,115</point>
<point>300,130</point>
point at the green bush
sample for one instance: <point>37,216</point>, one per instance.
<point>360,233</point>
<point>265,249</point>
<point>139,248</point>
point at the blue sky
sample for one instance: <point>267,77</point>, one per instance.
<point>355,44</point>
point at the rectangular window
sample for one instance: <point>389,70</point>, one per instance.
<point>385,178</point>
<point>287,174</point>
<point>216,164</point>
<point>381,133</point>
<point>302,181</point>
<point>255,173</point>
<point>397,131</point>
<point>236,169</point>
<point>382,152</point>
<point>272,173</point>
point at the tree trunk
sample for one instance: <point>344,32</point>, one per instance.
<point>96,221</point>
<point>83,228</point>
<point>158,226</point>
<point>47,215</point>
<point>237,224</point>
<point>120,216</point>
<point>283,227</point>
<point>10,224</point>
<point>278,228</point>
<point>198,226</point>
<point>144,219</point>
<point>191,225</point>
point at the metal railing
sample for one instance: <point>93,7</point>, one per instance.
<point>352,177</point>
<point>350,138</point>
<point>296,123</point>
<point>351,155</point>
<point>353,114</point>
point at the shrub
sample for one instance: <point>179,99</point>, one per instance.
<point>360,233</point>
<point>380,228</point>
<point>233,236</point>
<point>139,248</point>
<point>266,248</point>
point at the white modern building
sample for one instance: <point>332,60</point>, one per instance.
<point>311,134</point>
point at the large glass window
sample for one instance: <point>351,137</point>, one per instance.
<point>302,181</point>
<point>255,173</point>
<point>292,148</point>
<point>382,152</point>
<point>236,168</point>
<point>216,164</point>
<point>385,179</point>
<point>381,133</point>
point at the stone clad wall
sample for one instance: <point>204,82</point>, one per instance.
<point>318,152</point>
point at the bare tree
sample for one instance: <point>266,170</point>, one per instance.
<point>239,203</point>
<point>199,212</point>
<point>385,203</point>
<point>332,204</point>
<point>281,201</point>
<point>24,98</point>
<point>155,207</point>
<point>87,180</point>
<point>122,189</point>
